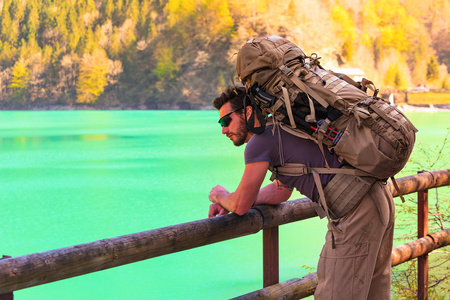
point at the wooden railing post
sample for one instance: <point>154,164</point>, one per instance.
<point>8,296</point>
<point>270,256</point>
<point>422,231</point>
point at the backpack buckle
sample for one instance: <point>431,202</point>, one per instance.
<point>276,89</point>
<point>286,71</point>
<point>274,171</point>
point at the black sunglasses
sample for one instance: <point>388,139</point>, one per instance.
<point>226,120</point>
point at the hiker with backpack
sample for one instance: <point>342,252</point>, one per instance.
<point>319,133</point>
<point>355,262</point>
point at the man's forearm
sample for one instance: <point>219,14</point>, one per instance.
<point>273,193</point>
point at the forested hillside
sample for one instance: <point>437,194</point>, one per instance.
<point>174,53</point>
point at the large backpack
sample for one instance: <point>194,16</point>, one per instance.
<point>304,99</point>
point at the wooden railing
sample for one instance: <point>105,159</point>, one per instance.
<point>299,288</point>
<point>44,267</point>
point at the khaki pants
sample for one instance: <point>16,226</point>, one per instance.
<point>359,267</point>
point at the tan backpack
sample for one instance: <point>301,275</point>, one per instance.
<point>304,99</point>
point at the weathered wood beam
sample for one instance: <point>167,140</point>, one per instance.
<point>271,265</point>
<point>296,288</point>
<point>39,268</point>
<point>8,296</point>
<point>422,231</point>
<point>419,247</point>
<point>422,181</point>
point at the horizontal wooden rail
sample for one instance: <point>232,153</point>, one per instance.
<point>299,288</point>
<point>419,247</point>
<point>296,288</point>
<point>422,181</point>
<point>39,268</point>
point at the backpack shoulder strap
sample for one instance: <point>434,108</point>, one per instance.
<point>297,132</point>
<point>288,72</point>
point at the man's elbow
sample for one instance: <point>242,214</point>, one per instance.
<point>240,209</point>
<point>241,212</point>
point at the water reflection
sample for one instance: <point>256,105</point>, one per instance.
<point>23,140</point>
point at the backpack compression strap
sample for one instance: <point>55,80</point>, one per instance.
<point>312,116</point>
<point>290,74</point>
<point>343,192</point>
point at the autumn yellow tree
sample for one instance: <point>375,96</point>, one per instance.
<point>217,17</point>
<point>178,10</point>
<point>165,64</point>
<point>346,30</point>
<point>92,77</point>
<point>19,82</point>
<point>395,78</point>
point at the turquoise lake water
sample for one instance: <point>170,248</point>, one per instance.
<point>71,177</point>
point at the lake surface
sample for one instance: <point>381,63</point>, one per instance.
<point>71,177</point>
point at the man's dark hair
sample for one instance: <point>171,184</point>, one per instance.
<point>234,95</point>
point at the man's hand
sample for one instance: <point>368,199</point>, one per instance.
<point>218,192</point>
<point>241,200</point>
<point>216,210</point>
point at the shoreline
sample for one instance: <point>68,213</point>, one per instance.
<point>86,107</point>
<point>428,108</point>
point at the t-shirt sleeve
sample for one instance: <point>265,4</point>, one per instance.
<point>256,150</point>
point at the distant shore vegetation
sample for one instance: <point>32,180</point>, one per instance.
<point>160,54</point>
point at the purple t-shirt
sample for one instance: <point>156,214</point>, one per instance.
<point>266,147</point>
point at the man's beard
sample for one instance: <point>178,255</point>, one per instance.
<point>240,135</point>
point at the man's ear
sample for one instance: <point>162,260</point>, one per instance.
<point>248,111</point>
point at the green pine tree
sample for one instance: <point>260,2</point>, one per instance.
<point>89,41</point>
<point>432,69</point>
<point>32,20</point>
<point>73,28</point>
<point>132,11</point>
<point>115,44</point>
<point>6,32</point>
<point>7,54</point>
<point>143,19</point>
<point>106,10</point>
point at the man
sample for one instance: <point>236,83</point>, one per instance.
<point>355,260</point>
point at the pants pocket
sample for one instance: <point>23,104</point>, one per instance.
<point>342,272</point>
